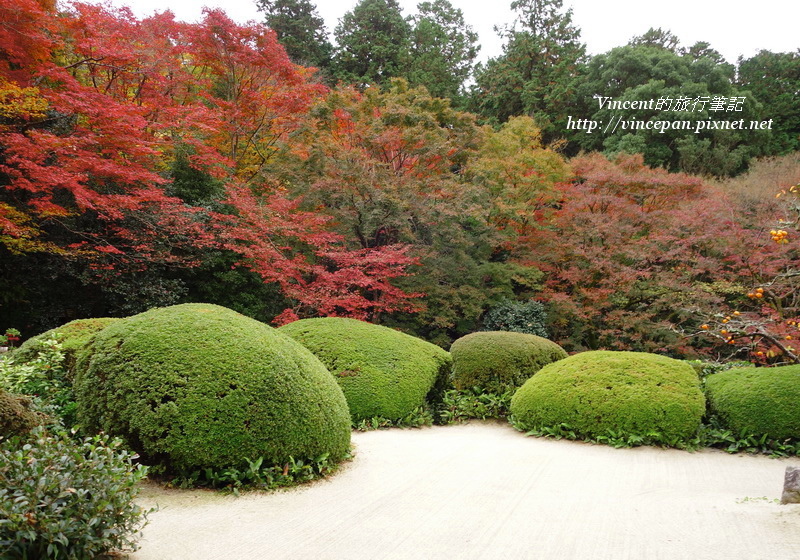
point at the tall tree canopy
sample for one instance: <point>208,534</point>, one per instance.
<point>372,43</point>
<point>300,30</point>
<point>538,72</point>
<point>443,49</point>
<point>774,79</point>
<point>689,88</point>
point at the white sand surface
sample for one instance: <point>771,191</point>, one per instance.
<point>485,491</point>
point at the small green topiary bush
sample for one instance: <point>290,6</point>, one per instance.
<point>61,499</point>
<point>594,395</point>
<point>72,337</point>
<point>383,373</point>
<point>758,401</point>
<point>498,361</point>
<point>198,386</point>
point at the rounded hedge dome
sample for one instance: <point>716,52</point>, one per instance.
<point>73,336</point>
<point>496,361</point>
<point>630,392</point>
<point>761,401</point>
<point>381,371</point>
<point>198,385</point>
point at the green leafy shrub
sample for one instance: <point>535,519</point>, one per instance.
<point>256,475</point>
<point>714,433</point>
<point>382,372</point>
<point>417,418</point>
<point>9,338</point>
<point>44,378</point>
<point>65,500</point>
<point>527,317</point>
<point>16,416</point>
<point>72,337</point>
<point>466,404</point>
<point>198,386</point>
<point>496,362</point>
<point>606,394</point>
<point>758,401</point>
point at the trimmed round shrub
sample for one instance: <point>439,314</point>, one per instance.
<point>62,499</point>
<point>382,372</point>
<point>197,385</point>
<point>497,361</point>
<point>16,417</point>
<point>72,336</point>
<point>599,393</point>
<point>759,401</point>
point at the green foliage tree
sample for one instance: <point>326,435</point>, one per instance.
<point>518,174</point>
<point>660,38</point>
<point>372,43</point>
<point>300,30</point>
<point>443,49</point>
<point>774,79</point>
<point>693,86</point>
<point>539,70</point>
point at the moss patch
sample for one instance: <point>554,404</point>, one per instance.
<point>197,385</point>
<point>382,372</point>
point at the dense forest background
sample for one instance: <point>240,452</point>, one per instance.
<point>389,177</point>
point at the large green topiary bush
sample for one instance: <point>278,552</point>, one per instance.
<point>72,336</point>
<point>383,372</point>
<point>497,361</point>
<point>759,401</point>
<point>198,385</point>
<point>602,393</point>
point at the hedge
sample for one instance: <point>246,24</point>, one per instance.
<point>198,385</point>
<point>604,393</point>
<point>497,361</point>
<point>759,401</point>
<point>382,372</point>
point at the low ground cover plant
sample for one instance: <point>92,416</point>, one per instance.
<point>462,405</point>
<point>383,373</point>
